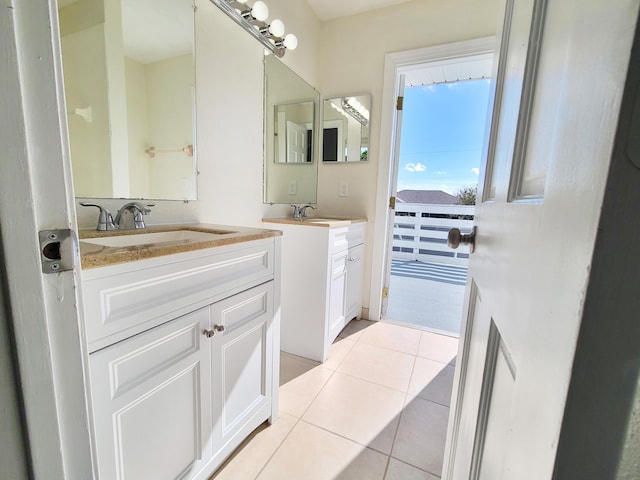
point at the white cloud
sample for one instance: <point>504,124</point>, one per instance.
<point>414,167</point>
<point>441,172</point>
<point>476,171</point>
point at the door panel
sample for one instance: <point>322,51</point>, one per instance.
<point>532,259</point>
<point>241,385</point>
<point>150,396</point>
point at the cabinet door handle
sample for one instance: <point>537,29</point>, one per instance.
<point>353,259</point>
<point>216,328</point>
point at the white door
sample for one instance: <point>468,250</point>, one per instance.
<point>557,96</point>
<point>36,195</point>
<point>151,394</point>
<point>241,366</point>
<point>296,143</point>
<point>393,190</point>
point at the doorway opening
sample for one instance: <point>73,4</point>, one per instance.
<point>435,144</point>
<point>437,175</point>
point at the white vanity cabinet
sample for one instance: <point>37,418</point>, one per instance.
<point>322,268</point>
<point>177,387</point>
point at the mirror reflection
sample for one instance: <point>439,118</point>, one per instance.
<point>291,116</point>
<point>345,134</point>
<point>294,132</point>
<point>130,96</point>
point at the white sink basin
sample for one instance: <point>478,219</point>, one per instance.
<point>174,236</point>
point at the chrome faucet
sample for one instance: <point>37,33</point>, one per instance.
<point>137,210</point>
<point>301,211</point>
<point>105,220</point>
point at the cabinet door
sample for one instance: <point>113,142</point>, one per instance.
<point>337,291</point>
<point>241,363</point>
<point>150,396</point>
<point>353,295</point>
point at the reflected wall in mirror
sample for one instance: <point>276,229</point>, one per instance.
<point>130,94</point>
<point>294,132</point>
<point>345,135</point>
<point>291,116</point>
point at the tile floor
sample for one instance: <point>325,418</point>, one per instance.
<point>376,409</point>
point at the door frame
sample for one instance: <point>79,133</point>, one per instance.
<point>395,64</point>
<point>36,194</point>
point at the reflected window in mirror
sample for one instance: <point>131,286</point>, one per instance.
<point>345,133</point>
<point>129,80</point>
<point>291,116</point>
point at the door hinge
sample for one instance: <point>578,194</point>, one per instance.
<point>385,292</point>
<point>392,203</point>
<point>58,250</point>
<point>399,103</point>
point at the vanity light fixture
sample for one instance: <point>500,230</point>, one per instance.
<point>354,108</point>
<point>253,20</point>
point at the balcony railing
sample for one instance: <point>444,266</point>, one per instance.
<point>420,232</point>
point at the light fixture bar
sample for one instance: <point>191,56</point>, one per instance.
<point>347,107</point>
<point>241,13</point>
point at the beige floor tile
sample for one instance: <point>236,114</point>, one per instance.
<point>432,381</point>
<point>379,365</point>
<point>256,451</point>
<point>297,395</point>
<point>358,410</point>
<point>421,435</point>
<point>311,453</point>
<point>394,337</point>
<point>292,366</point>
<point>438,347</point>
<point>354,329</point>
<point>337,352</point>
<point>398,470</point>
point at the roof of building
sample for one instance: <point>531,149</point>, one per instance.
<point>426,196</point>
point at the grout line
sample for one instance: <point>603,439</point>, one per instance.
<point>414,466</point>
<point>277,448</point>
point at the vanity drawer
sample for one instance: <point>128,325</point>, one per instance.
<point>127,299</point>
<point>342,238</point>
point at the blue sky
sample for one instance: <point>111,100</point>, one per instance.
<point>442,134</point>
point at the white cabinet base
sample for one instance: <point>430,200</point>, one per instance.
<point>175,399</point>
<point>321,285</point>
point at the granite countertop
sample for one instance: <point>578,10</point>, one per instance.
<point>316,221</point>
<point>93,255</point>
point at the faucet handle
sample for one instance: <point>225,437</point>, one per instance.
<point>105,220</point>
<point>303,210</point>
<point>297,212</point>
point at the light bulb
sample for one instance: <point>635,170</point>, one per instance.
<point>276,28</point>
<point>260,11</point>
<point>290,41</point>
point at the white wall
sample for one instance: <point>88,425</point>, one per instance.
<point>351,60</point>
<point>229,90</point>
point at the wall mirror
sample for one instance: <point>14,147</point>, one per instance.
<point>290,119</point>
<point>130,94</point>
<point>345,134</point>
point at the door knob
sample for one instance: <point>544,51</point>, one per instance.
<point>213,331</point>
<point>455,239</point>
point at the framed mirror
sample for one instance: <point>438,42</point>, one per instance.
<point>291,114</point>
<point>130,94</point>
<point>345,133</point>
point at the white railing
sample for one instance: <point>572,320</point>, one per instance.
<point>420,232</point>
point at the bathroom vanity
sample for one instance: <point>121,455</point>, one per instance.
<point>183,337</point>
<point>322,268</point>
